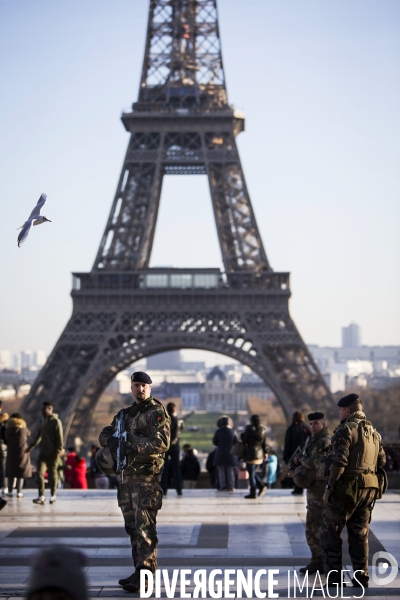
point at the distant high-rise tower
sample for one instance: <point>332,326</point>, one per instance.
<point>5,359</point>
<point>39,358</point>
<point>26,359</point>
<point>351,336</point>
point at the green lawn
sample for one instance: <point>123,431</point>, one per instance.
<point>201,439</point>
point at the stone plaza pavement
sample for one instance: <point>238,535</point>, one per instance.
<point>203,529</point>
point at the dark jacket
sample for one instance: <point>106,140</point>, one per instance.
<point>256,443</point>
<point>49,436</point>
<point>211,468</point>
<point>175,431</point>
<point>296,435</point>
<point>224,439</point>
<point>18,463</point>
<point>190,467</point>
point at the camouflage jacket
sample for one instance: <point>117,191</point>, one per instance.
<point>148,427</point>
<point>345,440</point>
<point>315,451</point>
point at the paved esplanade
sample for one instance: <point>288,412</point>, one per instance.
<point>202,529</point>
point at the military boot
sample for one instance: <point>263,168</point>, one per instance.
<point>362,583</point>
<point>134,585</point>
<point>126,580</point>
<point>312,568</point>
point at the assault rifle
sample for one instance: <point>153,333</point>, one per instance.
<point>122,436</point>
<point>294,460</point>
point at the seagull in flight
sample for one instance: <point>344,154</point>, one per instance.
<point>34,219</point>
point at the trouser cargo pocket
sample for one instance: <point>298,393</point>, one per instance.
<point>347,492</point>
<point>150,498</point>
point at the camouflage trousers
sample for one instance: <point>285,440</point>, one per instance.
<point>139,498</point>
<point>357,520</point>
<point>315,508</point>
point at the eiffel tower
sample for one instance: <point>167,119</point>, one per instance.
<point>123,310</point>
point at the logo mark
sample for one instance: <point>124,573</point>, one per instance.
<point>386,566</point>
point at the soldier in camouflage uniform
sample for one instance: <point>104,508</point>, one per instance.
<point>139,492</point>
<point>352,489</point>
<point>312,477</point>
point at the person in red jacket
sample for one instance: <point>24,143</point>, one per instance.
<point>78,474</point>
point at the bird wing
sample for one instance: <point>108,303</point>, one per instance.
<point>41,202</point>
<point>25,232</point>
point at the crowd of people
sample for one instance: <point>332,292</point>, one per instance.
<point>238,460</point>
<point>54,465</point>
<point>246,458</point>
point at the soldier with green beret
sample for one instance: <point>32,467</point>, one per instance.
<point>310,474</point>
<point>354,484</point>
<point>139,492</point>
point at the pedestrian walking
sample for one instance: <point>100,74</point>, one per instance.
<point>310,474</point>
<point>256,452</point>
<point>171,464</point>
<point>18,464</point>
<point>49,438</point>
<point>147,424</point>
<point>354,484</point>
<point>190,469</point>
<point>224,439</point>
<point>296,435</point>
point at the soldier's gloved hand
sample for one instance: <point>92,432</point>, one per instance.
<point>126,448</point>
<point>112,444</point>
<point>327,497</point>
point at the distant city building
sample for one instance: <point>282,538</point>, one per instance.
<point>336,381</point>
<point>351,336</point>
<point>5,359</point>
<point>26,359</point>
<point>221,393</point>
<point>190,395</point>
<point>218,393</point>
<point>372,366</point>
<point>166,360</point>
<point>39,358</point>
<point>194,365</point>
<point>16,362</point>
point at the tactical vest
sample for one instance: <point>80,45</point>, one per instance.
<point>140,429</point>
<point>365,448</point>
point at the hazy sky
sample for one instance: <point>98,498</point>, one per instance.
<point>319,83</point>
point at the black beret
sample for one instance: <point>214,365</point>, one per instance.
<point>141,377</point>
<point>347,400</point>
<point>315,416</point>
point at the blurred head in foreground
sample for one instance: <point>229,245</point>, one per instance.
<point>57,574</point>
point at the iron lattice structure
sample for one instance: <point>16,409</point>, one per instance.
<point>123,310</point>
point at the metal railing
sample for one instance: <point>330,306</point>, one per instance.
<point>170,278</point>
